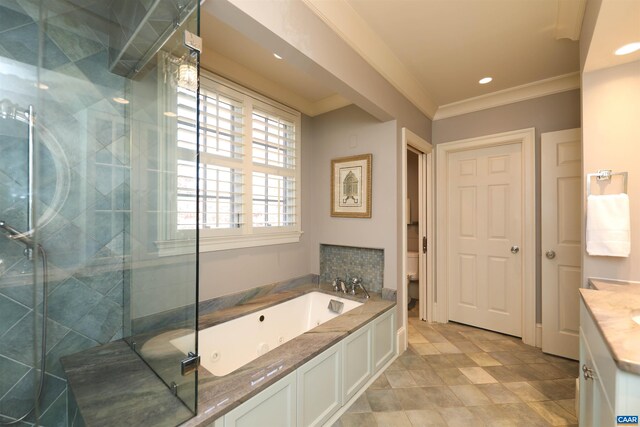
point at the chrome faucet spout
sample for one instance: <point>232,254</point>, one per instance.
<point>16,235</point>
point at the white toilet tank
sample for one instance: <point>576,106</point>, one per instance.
<point>412,265</point>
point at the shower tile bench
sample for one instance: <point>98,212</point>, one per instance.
<point>113,386</point>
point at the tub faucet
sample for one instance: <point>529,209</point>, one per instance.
<point>354,284</point>
<point>339,285</point>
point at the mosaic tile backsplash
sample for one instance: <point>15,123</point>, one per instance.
<point>349,261</point>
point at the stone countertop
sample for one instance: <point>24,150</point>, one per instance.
<point>610,305</point>
<point>219,395</point>
<point>110,395</point>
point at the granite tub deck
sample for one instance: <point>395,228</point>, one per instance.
<point>97,370</point>
<point>611,304</point>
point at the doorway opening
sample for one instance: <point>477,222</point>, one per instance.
<point>417,293</point>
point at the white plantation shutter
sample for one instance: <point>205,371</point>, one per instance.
<point>249,175</point>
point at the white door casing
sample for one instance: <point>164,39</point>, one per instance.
<point>525,139</point>
<point>485,233</point>
<point>561,198</point>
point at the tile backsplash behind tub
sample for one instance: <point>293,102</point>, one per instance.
<point>350,261</point>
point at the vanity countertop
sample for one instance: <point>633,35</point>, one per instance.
<point>216,395</point>
<point>611,304</point>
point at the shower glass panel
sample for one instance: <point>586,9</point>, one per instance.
<point>89,253</point>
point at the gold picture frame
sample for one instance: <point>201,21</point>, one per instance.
<point>351,186</point>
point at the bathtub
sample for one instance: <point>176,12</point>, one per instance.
<point>226,347</point>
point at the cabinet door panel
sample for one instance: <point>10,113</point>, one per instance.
<point>356,362</point>
<point>319,387</point>
<point>276,407</point>
<point>384,332</point>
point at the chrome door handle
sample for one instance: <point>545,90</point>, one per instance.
<point>550,254</point>
<point>588,373</point>
<point>515,249</point>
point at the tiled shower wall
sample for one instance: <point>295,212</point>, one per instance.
<point>85,239</point>
<point>349,261</point>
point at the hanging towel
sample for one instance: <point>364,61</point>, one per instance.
<point>608,225</point>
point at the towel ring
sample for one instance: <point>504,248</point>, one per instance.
<point>605,175</point>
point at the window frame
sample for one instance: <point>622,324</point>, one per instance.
<point>246,236</point>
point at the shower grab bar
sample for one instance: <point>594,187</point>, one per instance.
<point>31,149</point>
<point>605,175</point>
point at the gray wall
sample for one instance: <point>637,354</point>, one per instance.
<point>227,272</point>
<point>546,114</point>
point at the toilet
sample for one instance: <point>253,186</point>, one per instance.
<point>412,275</point>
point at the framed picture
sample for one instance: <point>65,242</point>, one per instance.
<point>351,186</point>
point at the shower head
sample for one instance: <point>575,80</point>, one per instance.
<point>14,234</point>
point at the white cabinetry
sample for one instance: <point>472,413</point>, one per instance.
<point>605,390</point>
<point>276,404</point>
<point>384,343</point>
<point>357,362</point>
<point>319,387</point>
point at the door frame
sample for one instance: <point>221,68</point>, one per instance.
<point>416,143</point>
<point>526,138</point>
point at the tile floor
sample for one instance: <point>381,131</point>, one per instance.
<point>457,375</point>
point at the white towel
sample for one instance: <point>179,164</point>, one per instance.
<point>608,225</point>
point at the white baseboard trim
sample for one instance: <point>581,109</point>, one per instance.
<point>331,421</point>
<point>402,342</point>
<point>539,335</point>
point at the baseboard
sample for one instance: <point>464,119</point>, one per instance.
<point>401,343</point>
<point>331,421</point>
<point>539,335</point>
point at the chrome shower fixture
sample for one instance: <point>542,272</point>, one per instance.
<point>14,234</point>
<point>9,110</point>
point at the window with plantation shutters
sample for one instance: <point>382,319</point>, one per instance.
<point>248,169</point>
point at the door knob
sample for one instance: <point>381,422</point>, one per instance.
<point>515,249</point>
<point>550,254</point>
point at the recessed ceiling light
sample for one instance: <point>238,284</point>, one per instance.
<point>121,100</point>
<point>277,56</point>
<point>41,86</point>
<point>628,48</point>
<point>485,80</point>
<point>170,114</point>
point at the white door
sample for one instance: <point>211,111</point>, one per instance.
<point>561,241</point>
<point>484,261</point>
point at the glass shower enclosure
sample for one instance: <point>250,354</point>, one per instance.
<point>89,248</point>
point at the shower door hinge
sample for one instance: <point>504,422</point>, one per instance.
<point>424,244</point>
<point>189,364</point>
<point>192,41</point>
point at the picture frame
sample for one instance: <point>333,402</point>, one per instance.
<point>351,186</point>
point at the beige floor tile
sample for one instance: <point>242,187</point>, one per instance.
<point>484,359</point>
<point>503,374</point>
<point>525,391</point>
<point>470,395</point>
<point>498,393</point>
<point>488,346</point>
<point>424,348</point>
<point>426,418</point>
<point>357,420</point>
<point>523,415</point>
<point>396,366</point>
<point>438,361</point>
<point>467,347</point>
<point>461,360</point>
<point>548,371</point>
<point>526,372</point>
<point>446,347</point>
<point>380,382</point>
<point>360,405</point>
<point>452,376</point>
<point>416,338</point>
<point>413,398</point>
<point>553,389</point>
<point>383,400</point>
<point>460,417</point>
<point>568,405</point>
<point>530,356</point>
<point>492,415</point>
<point>553,413</point>
<point>391,419</point>
<point>413,362</point>
<point>506,358</point>
<point>478,375</point>
<point>426,377</point>
<point>453,336</point>
<point>431,335</point>
<point>442,396</point>
<point>398,379</point>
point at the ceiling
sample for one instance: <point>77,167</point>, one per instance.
<point>443,46</point>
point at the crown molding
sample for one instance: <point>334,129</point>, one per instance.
<point>569,19</point>
<point>527,91</point>
<point>350,26</point>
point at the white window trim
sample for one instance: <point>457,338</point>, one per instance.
<point>250,236</point>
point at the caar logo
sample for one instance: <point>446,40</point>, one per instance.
<point>627,420</point>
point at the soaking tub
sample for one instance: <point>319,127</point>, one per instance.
<point>228,346</point>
